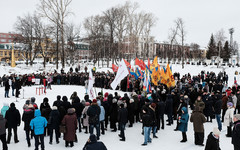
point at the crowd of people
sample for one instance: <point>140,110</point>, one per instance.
<point>206,95</point>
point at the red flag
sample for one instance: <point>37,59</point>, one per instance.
<point>114,68</point>
<point>142,65</point>
<point>127,63</point>
<point>128,86</point>
<point>149,63</point>
<point>137,62</point>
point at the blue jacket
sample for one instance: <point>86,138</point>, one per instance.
<point>4,110</point>
<point>38,123</point>
<point>184,120</point>
<point>102,113</point>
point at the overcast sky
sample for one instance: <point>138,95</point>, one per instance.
<point>201,17</point>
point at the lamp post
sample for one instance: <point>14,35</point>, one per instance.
<point>13,57</point>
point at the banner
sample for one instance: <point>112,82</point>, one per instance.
<point>90,85</point>
<point>121,74</point>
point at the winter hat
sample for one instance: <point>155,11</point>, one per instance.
<point>131,101</point>
<point>237,116</point>
<point>106,94</point>
<point>186,97</point>
<point>93,138</point>
<point>230,104</point>
<point>54,108</point>
<point>114,100</point>
<point>70,111</point>
<point>119,102</point>
<point>216,131</point>
<point>33,99</point>
<point>12,105</point>
<point>134,94</point>
<point>94,101</point>
<point>87,104</point>
<point>45,100</point>
<point>64,98</point>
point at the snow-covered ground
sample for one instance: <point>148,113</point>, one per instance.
<point>168,139</point>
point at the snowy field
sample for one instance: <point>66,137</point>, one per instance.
<point>167,138</point>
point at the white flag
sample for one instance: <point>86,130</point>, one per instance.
<point>90,85</point>
<point>121,74</point>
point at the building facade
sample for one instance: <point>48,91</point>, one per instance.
<point>7,37</point>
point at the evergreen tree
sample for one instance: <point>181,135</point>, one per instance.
<point>226,51</point>
<point>212,49</point>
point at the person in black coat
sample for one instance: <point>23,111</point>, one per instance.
<point>53,124</point>
<point>122,119</point>
<point>13,120</point>
<point>160,113</point>
<point>146,121</point>
<point>169,109</point>
<point>78,110</point>
<point>113,115</point>
<point>213,140</point>
<point>3,122</point>
<point>7,87</point>
<point>28,115</point>
<point>66,104</point>
<point>93,144</point>
<point>93,112</point>
<point>45,111</point>
<point>208,110</point>
<point>58,102</point>
<point>17,87</point>
<point>236,132</point>
<point>130,107</point>
<point>217,110</point>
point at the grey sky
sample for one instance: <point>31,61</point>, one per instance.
<point>202,17</point>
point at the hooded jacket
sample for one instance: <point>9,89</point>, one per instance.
<point>184,120</point>
<point>38,123</point>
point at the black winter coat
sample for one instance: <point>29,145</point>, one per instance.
<point>7,86</point>
<point>146,120</point>
<point>2,125</point>
<point>94,110</point>
<point>13,117</point>
<point>169,105</point>
<point>94,146</point>
<point>218,106</point>
<point>212,143</point>
<point>113,113</point>
<point>161,108</point>
<point>45,110</point>
<point>208,110</point>
<point>123,115</point>
<point>54,119</point>
<point>26,118</point>
<point>78,108</point>
<point>236,134</point>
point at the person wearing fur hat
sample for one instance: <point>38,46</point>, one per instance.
<point>213,140</point>
<point>45,111</point>
<point>113,115</point>
<point>93,112</point>
<point>130,107</point>
<point>13,119</point>
<point>236,132</point>
<point>53,124</point>
<point>28,115</point>
<point>93,144</point>
<point>228,119</point>
<point>70,121</point>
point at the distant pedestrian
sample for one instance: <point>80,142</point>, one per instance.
<point>213,140</point>
<point>3,132</point>
<point>236,132</point>
<point>183,124</point>
<point>93,144</point>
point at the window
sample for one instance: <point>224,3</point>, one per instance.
<point>10,36</point>
<point>3,40</point>
<point>5,53</point>
<point>4,35</point>
<point>9,41</point>
<point>1,53</point>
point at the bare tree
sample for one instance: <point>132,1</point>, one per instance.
<point>172,36</point>
<point>182,35</point>
<point>56,11</point>
<point>29,26</point>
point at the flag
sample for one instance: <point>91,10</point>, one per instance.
<point>155,76</point>
<point>139,73</point>
<point>90,85</point>
<point>170,78</point>
<point>154,63</point>
<point>140,63</point>
<point>133,74</point>
<point>149,64</point>
<point>114,68</point>
<point>147,83</point>
<point>127,63</point>
<point>121,74</point>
